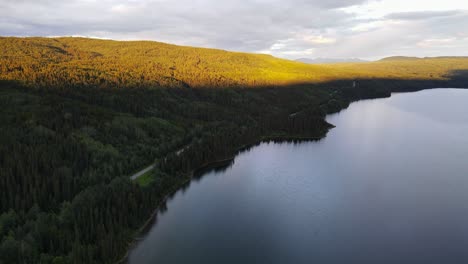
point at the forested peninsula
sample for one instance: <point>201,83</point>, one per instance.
<point>79,116</point>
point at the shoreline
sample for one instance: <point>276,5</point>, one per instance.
<point>139,234</point>
<point>263,139</point>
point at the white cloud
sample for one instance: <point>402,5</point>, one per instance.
<point>370,25</point>
<point>381,8</point>
<point>319,40</point>
<point>435,41</point>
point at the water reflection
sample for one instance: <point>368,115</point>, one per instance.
<point>388,185</point>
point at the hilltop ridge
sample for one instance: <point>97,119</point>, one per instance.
<point>109,63</point>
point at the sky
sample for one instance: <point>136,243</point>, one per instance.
<point>284,28</point>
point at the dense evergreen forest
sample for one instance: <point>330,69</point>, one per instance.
<point>79,116</point>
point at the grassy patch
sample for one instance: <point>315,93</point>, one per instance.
<point>146,179</point>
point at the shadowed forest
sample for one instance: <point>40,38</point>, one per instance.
<point>78,116</point>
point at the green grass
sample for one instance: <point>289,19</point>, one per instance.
<point>146,179</point>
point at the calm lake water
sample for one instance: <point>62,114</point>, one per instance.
<point>388,185</point>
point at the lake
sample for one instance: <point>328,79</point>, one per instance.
<point>389,184</point>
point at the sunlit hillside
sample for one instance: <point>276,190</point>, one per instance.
<point>407,68</point>
<point>104,63</point>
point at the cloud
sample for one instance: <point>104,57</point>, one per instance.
<point>319,40</point>
<point>431,35</point>
<point>242,25</point>
<point>294,28</point>
<point>422,15</point>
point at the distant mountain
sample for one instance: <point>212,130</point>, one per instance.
<point>406,58</point>
<point>328,60</point>
<point>393,58</point>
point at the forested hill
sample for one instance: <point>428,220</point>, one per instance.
<point>72,62</point>
<point>103,63</point>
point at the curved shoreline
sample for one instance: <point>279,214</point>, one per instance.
<point>206,166</point>
<point>231,158</point>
